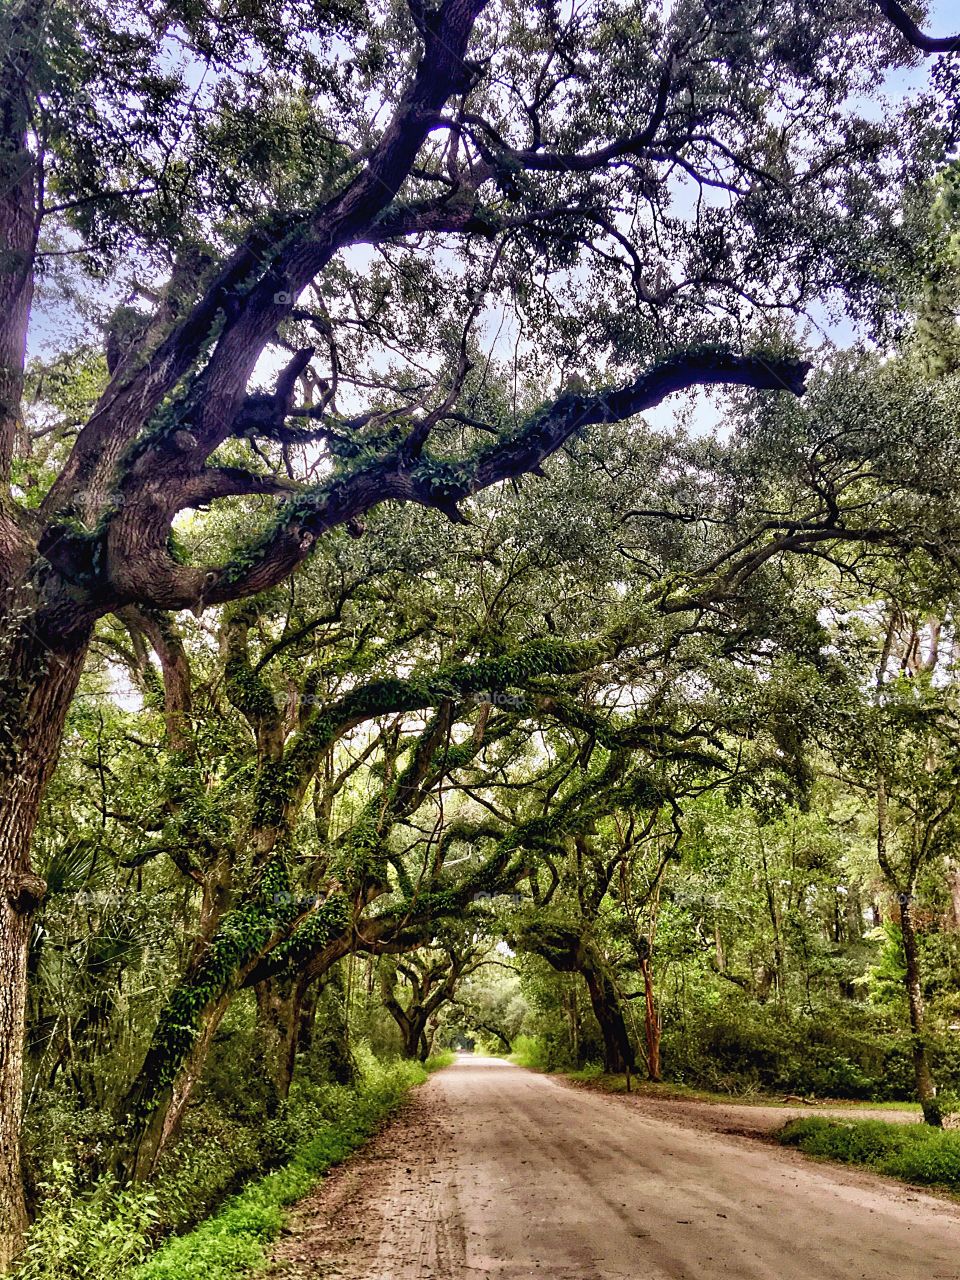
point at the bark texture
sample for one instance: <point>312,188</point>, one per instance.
<point>923,1074</point>
<point>34,700</point>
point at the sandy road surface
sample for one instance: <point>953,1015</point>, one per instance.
<point>495,1173</point>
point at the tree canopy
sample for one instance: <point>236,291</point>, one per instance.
<point>361,610</point>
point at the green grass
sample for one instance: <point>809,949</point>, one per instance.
<point>914,1152</point>
<point>233,1243</point>
<point>597,1078</point>
<point>111,1232</point>
<point>884,1106</point>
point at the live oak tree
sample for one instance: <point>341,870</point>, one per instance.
<point>697,586</point>
<point>238,173</point>
<point>431,977</point>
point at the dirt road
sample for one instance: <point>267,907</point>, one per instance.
<point>496,1173</point>
<point>753,1119</point>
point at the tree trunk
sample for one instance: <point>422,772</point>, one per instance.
<point>31,713</point>
<point>411,1024</point>
<point>156,1106</point>
<point>18,222</point>
<point>15,916</point>
<point>651,1023</point>
<point>426,1040</point>
<point>331,1036</point>
<point>37,684</point>
<point>618,1052</point>
<point>776,973</point>
<point>414,1038</point>
<point>279,1001</point>
<point>926,1089</point>
<point>953,881</point>
<point>571,950</point>
<point>308,1019</point>
<point>574,1012</point>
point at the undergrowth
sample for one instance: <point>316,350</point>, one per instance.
<point>914,1152</point>
<point>531,1052</point>
<point>112,1231</point>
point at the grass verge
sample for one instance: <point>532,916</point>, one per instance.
<point>232,1243</point>
<point>596,1078</point>
<point>111,1232</point>
<point>913,1152</point>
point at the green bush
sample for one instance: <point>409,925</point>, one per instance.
<point>532,1052</point>
<point>100,1233</point>
<point>731,1046</point>
<point>213,1157</point>
<point>593,1071</point>
<point>340,1118</point>
<point>915,1152</point>
<point>110,1231</point>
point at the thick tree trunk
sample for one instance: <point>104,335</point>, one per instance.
<point>279,1001</point>
<point>15,918</point>
<point>410,1020</point>
<point>331,1037</point>
<point>410,1040</point>
<point>618,1053</point>
<point>153,1108</point>
<point>37,684</point>
<point>237,956</point>
<point>926,1089</point>
<point>410,1023</point>
<point>569,950</point>
<point>307,1021</point>
<point>32,707</point>
<point>156,1106</point>
<point>426,1042</point>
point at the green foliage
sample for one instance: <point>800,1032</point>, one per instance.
<point>641,663</point>
<point>914,1152</point>
<point>734,1048</point>
<point>532,1052</point>
<point>232,1242</point>
<point>100,1234</point>
<point>109,1231</point>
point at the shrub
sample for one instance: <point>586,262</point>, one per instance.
<point>101,1233</point>
<point>915,1152</point>
<point>109,1231</point>
<point>532,1052</point>
<point>736,1047</point>
<point>339,1118</point>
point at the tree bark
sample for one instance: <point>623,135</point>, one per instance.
<point>37,684</point>
<point>618,1053</point>
<point>926,1088</point>
<point>18,219</point>
<point>164,1106</point>
<point>332,1044</point>
<point>279,1001</point>
<point>568,950</point>
<point>651,1022</point>
<point>410,1021</point>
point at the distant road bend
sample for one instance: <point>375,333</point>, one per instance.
<point>497,1173</point>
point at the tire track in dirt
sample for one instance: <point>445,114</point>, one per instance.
<point>390,1210</point>
<point>495,1173</point>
